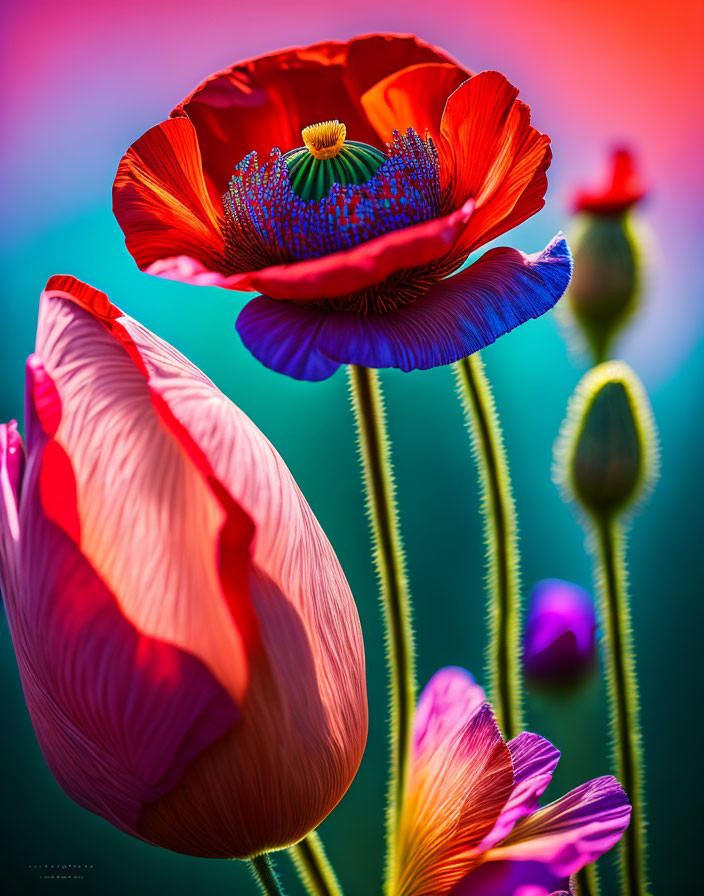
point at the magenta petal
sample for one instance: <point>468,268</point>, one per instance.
<point>534,760</point>
<point>455,318</point>
<point>511,879</point>
<point>571,832</point>
<point>447,703</point>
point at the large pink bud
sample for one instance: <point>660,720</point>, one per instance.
<point>188,645</point>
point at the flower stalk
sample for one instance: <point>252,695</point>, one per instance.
<point>623,697</point>
<point>263,870</point>
<point>375,454</point>
<point>501,536</point>
<point>314,868</point>
<point>606,461</point>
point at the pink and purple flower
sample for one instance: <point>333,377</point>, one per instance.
<point>471,822</point>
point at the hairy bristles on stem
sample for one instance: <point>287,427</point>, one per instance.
<point>374,450</point>
<point>263,870</point>
<point>606,461</point>
<point>313,867</point>
<point>501,537</point>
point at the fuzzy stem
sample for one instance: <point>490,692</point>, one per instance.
<point>623,699</point>
<point>314,868</point>
<point>263,870</point>
<point>587,881</point>
<point>389,559</point>
<point>500,530</point>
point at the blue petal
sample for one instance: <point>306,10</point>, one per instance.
<point>457,317</point>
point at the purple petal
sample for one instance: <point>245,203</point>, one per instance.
<point>285,337</point>
<point>560,634</point>
<point>449,700</point>
<point>456,317</point>
<point>511,879</point>
<point>571,832</point>
<point>534,760</point>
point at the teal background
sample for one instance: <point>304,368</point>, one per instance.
<point>533,372</point>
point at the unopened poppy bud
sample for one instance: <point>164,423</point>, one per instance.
<point>559,642</point>
<point>606,455</point>
<point>608,257</point>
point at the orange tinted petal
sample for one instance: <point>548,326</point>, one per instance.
<point>453,799</point>
<point>160,199</point>
<point>412,98</point>
<point>492,153</point>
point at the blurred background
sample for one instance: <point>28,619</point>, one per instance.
<point>82,80</point>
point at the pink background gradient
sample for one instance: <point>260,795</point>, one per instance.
<point>83,79</point>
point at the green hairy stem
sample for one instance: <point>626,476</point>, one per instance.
<point>587,881</point>
<point>314,868</point>
<point>389,560</point>
<point>501,536</point>
<point>622,686</point>
<point>263,870</point>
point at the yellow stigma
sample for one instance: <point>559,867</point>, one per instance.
<point>324,140</point>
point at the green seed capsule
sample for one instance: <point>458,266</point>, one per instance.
<point>606,454</point>
<point>607,279</point>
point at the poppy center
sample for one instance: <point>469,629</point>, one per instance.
<point>328,158</point>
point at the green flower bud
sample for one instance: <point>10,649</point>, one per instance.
<point>607,280</point>
<point>606,455</point>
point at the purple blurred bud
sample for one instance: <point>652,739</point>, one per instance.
<point>559,643</point>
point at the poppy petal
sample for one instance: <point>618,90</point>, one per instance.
<point>304,714</point>
<point>139,547</point>
<point>490,152</point>
<point>457,317</point>
<point>341,273</point>
<point>414,97</point>
<point>118,714</point>
<point>534,760</point>
<point>447,703</point>
<point>11,470</point>
<point>571,832</point>
<point>622,189</point>
<point>453,798</point>
<point>160,199</point>
<point>512,879</point>
<point>261,103</point>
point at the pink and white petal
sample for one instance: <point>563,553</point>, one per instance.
<point>118,715</point>
<point>534,760</point>
<point>290,554</point>
<point>571,832</point>
<point>149,521</point>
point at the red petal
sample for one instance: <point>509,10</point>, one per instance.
<point>491,153</point>
<point>414,98</point>
<point>345,272</point>
<point>622,189</point>
<point>265,102</point>
<point>160,199</point>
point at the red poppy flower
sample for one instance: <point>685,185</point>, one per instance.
<point>623,188</point>
<point>346,182</point>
